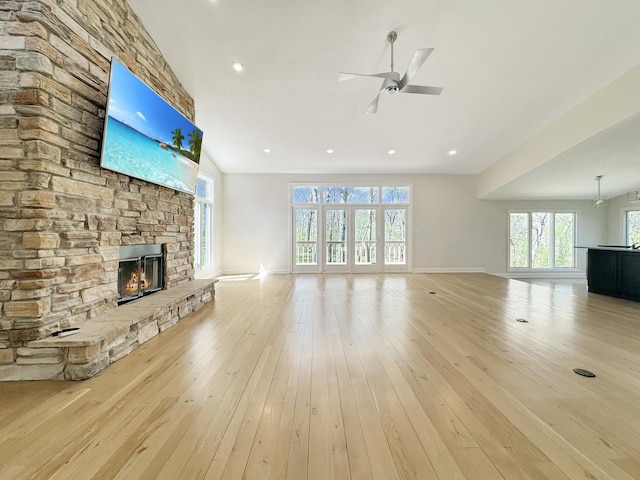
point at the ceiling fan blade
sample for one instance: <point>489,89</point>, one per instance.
<point>421,89</point>
<point>418,59</point>
<point>373,106</point>
<point>348,76</point>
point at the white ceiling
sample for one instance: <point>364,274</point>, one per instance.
<point>508,68</point>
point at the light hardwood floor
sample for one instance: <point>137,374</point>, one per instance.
<point>352,376</point>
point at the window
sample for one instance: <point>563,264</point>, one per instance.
<point>203,224</point>
<point>541,240</point>
<point>633,227</point>
<point>395,194</point>
<point>350,228</point>
<point>306,241</point>
<point>365,233</point>
<point>336,236</point>
<point>350,194</point>
<point>312,195</point>
<point>395,236</point>
<point>303,195</point>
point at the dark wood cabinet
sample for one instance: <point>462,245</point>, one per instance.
<point>630,275</point>
<point>614,272</point>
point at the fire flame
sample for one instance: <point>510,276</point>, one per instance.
<point>132,285</point>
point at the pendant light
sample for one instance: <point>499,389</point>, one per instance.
<point>599,201</point>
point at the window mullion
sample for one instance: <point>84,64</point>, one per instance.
<point>530,249</point>
<point>552,240</point>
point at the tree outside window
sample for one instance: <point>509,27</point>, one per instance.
<point>541,240</point>
<point>204,223</point>
<point>633,227</point>
<point>329,215</point>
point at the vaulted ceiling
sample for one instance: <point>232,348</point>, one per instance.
<point>539,97</point>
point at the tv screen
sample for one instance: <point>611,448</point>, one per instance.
<point>145,137</point>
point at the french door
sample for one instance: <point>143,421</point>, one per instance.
<point>340,238</point>
<point>351,238</point>
<point>395,239</point>
<point>307,256</point>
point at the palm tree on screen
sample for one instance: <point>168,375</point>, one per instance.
<point>195,144</point>
<point>177,138</point>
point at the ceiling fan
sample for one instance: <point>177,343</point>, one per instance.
<point>392,83</point>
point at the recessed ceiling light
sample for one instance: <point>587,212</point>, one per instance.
<point>237,66</point>
<point>267,150</point>
<point>452,152</point>
<point>330,150</point>
<point>391,152</point>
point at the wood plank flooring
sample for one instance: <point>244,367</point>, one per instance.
<point>352,376</point>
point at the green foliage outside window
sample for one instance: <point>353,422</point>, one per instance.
<point>336,223</point>
<point>633,227</point>
<point>564,229</point>
<point>519,241</point>
<point>541,240</point>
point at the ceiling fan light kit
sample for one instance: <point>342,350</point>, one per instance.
<point>393,83</point>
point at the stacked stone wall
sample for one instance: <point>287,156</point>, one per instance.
<point>62,217</point>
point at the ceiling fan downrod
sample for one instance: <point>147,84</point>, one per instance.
<point>391,86</point>
<point>391,37</point>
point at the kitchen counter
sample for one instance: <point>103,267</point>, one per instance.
<point>614,270</point>
<point>613,248</point>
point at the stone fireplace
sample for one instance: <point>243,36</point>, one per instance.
<point>63,219</point>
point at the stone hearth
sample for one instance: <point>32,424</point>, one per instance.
<point>110,336</point>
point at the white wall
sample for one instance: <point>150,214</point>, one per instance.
<point>616,228</point>
<point>255,223</point>
<point>210,170</point>
<point>451,229</point>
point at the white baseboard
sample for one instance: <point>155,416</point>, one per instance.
<point>205,274</point>
<point>239,271</point>
<point>450,270</point>
<point>517,275</point>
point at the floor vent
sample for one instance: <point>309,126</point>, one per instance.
<point>584,373</point>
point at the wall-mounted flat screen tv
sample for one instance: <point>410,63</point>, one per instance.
<point>145,137</point>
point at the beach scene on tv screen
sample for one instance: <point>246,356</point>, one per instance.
<point>147,138</point>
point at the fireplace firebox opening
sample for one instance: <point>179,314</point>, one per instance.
<point>140,271</point>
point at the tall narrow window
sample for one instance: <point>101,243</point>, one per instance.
<point>336,237</point>
<point>542,240</point>
<point>633,227</point>
<point>365,232</point>
<point>395,239</point>
<point>203,224</point>
<point>519,240</point>
<point>564,240</point>
<point>306,236</point>
<point>540,233</point>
